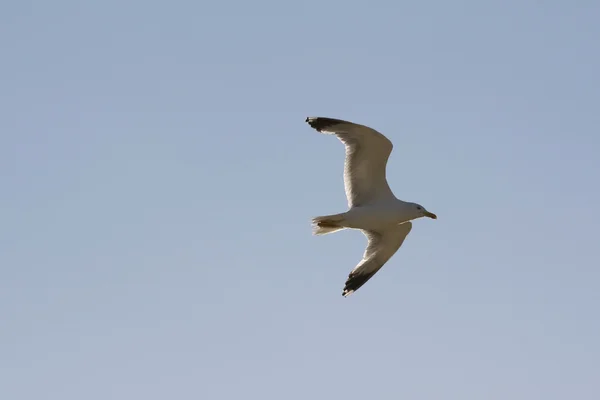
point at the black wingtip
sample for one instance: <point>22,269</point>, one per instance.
<point>355,281</point>
<point>321,123</point>
<point>312,121</point>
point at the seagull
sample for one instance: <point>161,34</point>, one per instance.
<point>373,208</point>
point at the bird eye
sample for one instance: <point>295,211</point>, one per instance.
<point>419,208</point>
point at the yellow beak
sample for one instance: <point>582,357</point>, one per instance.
<point>430,215</point>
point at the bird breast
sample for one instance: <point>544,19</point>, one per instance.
<point>375,217</point>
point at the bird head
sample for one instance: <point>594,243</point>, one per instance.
<point>422,212</point>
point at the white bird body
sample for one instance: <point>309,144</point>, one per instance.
<point>373,208</point>
<point>379,216</point>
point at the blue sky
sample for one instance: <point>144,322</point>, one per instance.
<point>158,181</point>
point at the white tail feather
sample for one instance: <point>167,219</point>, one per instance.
<point>328,224</point>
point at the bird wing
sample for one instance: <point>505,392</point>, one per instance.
<point>381,247</point>
<point>367,152</point>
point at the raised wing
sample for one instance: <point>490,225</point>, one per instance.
<point>367,152</point>
<point>381,247</point>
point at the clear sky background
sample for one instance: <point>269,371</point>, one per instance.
<point>158,181</point>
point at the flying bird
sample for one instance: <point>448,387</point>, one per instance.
<point>373,208</point>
